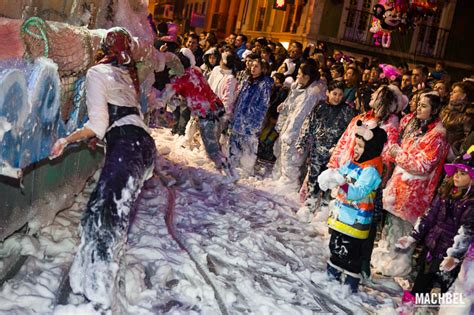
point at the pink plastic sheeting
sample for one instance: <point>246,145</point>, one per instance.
<point>11,45</point>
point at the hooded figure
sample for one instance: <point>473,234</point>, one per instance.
<point>211,59</point>
<point>386,102</point>
<point>114,115</point>
<point>306,93</point>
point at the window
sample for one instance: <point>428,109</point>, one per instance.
<point>297,20</point>
<point>431,39</point>
<point>289,20</point>
<point>260,18</point>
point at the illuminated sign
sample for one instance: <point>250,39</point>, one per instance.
<point>280,5</point>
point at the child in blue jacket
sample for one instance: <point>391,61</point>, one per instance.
<point>351,216</point>
<point>249,113</point>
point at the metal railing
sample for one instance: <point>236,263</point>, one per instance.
<point>356,27</point>
<point>430,41</point>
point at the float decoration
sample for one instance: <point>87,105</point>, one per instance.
<point>399,15</point>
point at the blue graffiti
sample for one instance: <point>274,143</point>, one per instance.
<point>30,103</point>
<point>13,108</point>
<point>78,116</point>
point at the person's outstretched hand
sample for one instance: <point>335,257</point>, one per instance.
<point>448,263</point>
<point>58,148</point>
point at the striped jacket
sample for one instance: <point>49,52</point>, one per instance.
<point>353,210</point>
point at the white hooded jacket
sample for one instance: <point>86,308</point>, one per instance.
<point>224,84</point>
<point>297,106</point>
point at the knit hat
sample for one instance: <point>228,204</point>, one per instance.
<point>246,53</point>
<point>389,72</point>
<point>374,138</point>
<point>464,162</point>
<point>400,101</point>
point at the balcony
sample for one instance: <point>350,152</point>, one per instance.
<point>356,28</point>
<point>431,41</point>
<point>424,40</point>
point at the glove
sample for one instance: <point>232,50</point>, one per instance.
<point>404,242</point>
<point>338,178</point>
<point>58,148</point>
<point>330,179</point>
<point>448,264</point>
<point>323,179</point>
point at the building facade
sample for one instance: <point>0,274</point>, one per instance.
<point>344,24</point>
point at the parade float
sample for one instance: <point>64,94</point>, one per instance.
<point>46,48</point>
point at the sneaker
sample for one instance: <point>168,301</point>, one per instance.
<point>333,273</point>
<point>353,282</point>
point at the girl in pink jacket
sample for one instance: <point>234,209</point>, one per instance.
<point>419,159</point>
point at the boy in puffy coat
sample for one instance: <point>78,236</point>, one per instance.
<point>326,124</point>
<point>351,216</point>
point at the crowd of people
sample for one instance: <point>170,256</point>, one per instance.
<point>386,148</point>
<point>378,135</point>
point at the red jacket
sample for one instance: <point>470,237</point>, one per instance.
<point>418,167</point>
<point>199,96</point>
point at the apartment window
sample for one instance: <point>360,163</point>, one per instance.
<point>365,5</point>
<point>260,19</point>
<point>431,40</point>
<point>289,21</point>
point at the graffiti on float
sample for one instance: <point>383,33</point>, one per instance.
<point>30,98</point>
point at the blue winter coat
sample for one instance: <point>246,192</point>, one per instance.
<point>354,209</point>
<point>251,106</point>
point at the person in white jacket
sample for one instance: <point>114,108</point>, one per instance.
<point>223,82</point>
<point>305,94</point>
